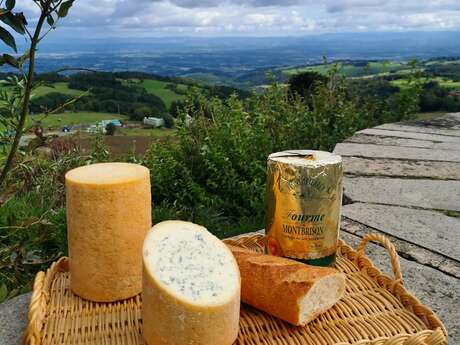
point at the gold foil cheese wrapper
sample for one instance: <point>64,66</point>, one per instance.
<point>304,198</point>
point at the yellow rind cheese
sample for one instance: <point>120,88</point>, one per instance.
<point>108,215</point>
<point>191,287</point>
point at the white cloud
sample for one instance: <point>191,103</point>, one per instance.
<point>254,17</point>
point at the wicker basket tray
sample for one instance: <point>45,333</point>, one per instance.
<point>375,310</point>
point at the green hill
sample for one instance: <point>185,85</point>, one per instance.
<point>161,89</point>
<point>60,87</point>
<point>155,87</point>
<point>352,68</point>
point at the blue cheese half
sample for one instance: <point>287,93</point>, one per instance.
<point>191,287</point>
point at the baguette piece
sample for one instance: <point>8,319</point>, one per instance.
<point>290,290</point>
<point>191,287</point>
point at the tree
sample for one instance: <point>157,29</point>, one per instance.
<point>141,112</point>
<point>51,11</point>
<point>110,128</point>
<point>304,83</point>
<point>48,102</point>
<point>175,107</point>
<point>169,120</point>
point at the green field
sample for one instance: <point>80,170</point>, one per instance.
<point>155,87</point>
<point>349,70</point>
<point>322,69</point>
<point>73,118</point>
<point>447,83</point>
<point>57,87</point>
<point>158,88</point>
<point>61,87</point>
<point>450,84</point>
<point>208,78</point>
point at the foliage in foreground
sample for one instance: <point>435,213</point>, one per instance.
<point>14,108</point>
<point>213,173</point>
<point>32,220</point>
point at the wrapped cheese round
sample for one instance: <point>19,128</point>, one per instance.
<point>304,198</point>
<point>108,215</point>
<point>191,287</point>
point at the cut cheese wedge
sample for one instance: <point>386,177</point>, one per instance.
<point>191,287</point>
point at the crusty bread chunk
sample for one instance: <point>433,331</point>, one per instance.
<point>290,290</point>
<point>191,287</point>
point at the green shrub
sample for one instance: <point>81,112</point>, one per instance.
<point>32,221</point>
<point>33,218</point>
<point>174,108</point>
<point>216,166</point>
<point>303,84</point>
<point>169,120</point>
<point>99,150</point>
<point>33,235</point>
<point>110,128</point>
<point>141,112</point>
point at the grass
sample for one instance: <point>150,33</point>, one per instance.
<point>450,84</point>
<point>155,87</point>
<point>442,62</point>
<point>57,87</point>
<point>74,118</point>
<point>207,78</point>
<point>158,88</point>
<point>60,87</point>
<point>349,70</point>
<point>443,82</point>
<point>379,68</point>
<point>322,69</point>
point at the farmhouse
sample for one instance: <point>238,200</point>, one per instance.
<point>153,122</point>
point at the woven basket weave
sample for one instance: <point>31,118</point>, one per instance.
<point>375,310</point>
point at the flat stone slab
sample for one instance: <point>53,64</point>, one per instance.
<point>430,194</point>
<point>407,250</point>
<point>449,121</point>
<point>13,319</point>
<point>420,127</point>
<point>411,135</point>
<point>395,152</point>
<point>428,229</point>
<point>401,168</point>
<point>433,288</point>
<point>394,141</point>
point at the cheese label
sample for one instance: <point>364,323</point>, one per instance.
<point>304,196</point>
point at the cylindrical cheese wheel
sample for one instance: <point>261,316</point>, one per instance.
<point>191,292</point>
<point>108,215</point>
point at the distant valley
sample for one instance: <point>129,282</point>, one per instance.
<point>242,62</point>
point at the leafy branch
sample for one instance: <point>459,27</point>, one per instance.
<point>50,12</point>
<point>62,106</point>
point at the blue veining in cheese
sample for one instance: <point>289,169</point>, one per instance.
<point>192,264</point>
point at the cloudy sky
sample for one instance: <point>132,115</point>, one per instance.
<point>150,18</point>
